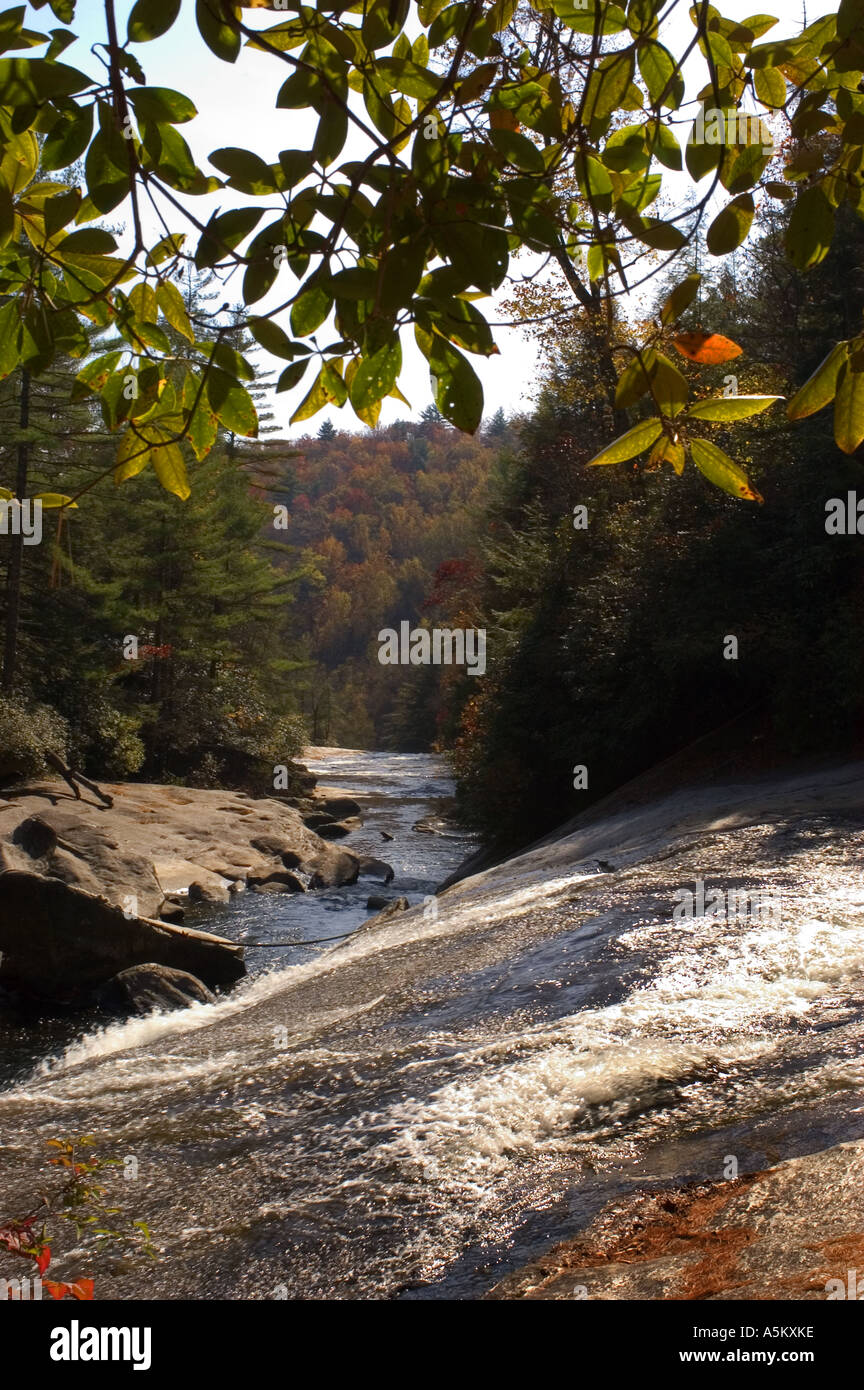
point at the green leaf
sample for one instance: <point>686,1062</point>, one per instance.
<point>55,499</point>
<point>770,87</point>
<point>811,227</point>
<point>669,387</point>
<point>664,145</point>
<point>67,139</point>
<point>223,233</point>
<point>60,210</point>
<point>458,392</point>
<point>820,388</point>
<point>29,81</point>
<point>274,339</point>
<point>162,104</point>
<point>89,241</point>
<point>231,403</point>
<point>219,36</point>
<point>405,76</point>
<point>313,401</point>
<point>245,171</point>
<point>169,466</point>
<point>519,150</point>
<point>171,302</point>
<point>150,18</point>
<point>170,245</point>
<point>376,376</point>
<point>661,236</point>
<point>730,407</point>
<point>849,409</point>
<point>659,73</point>
<point>608,85</point>
<point>680,298</point>
<point>731,226</point>
<point>655,373</point>
<point>203,427</point>
<point>172,158</point>
<point>107,182</point>
<point>293,375</point>
<point>464,325</point>
<point>722,471</point>
<point>94,375</point>
<point>628,445</point>
<point>309,310</point>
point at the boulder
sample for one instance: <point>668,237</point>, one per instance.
<point>281,880</point>
<point>144,989</point>
<point>271,845</point>
<point>313,820</point>
<point>59,943</point>
<point>370,867</point>
<point>209,893</point>
<point>334,830</point>
<point>338,807</point>
<point>62,844</point>
<point>332,869</point>
<point>376,902</point>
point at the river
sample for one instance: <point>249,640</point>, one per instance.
<point>417,1110</point>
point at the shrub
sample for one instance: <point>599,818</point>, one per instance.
<point>26,732</point>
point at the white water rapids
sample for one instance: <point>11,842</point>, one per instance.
<point>426,1106</point>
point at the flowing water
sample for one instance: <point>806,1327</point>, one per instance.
<point>417,1110</point>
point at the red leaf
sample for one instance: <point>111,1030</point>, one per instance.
<point>82,1290</point>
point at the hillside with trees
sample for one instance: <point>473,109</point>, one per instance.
<point>378,521</point>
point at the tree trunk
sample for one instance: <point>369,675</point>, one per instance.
<point>16,542</point>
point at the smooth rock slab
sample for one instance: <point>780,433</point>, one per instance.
<point>59,943</point>
<point>790,1232</point>
<point>143,989</point>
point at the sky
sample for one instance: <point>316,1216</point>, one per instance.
<point>236,106</point>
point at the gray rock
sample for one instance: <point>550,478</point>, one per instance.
<point>143,989</point>
<point>332,869</point>
<point>280,881</point>
<point>313,820</point>
<point>272,845</point>
<point>338,807</point>
<point>209,893</point>
<point>61,844</point>
<point>333,830</point>
<point>60,943</point>
<point>170,912</point>
<point>376,868</point>
<point>393,908</point>
<point>376,902</point>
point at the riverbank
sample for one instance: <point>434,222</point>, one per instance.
<point>89,889</point>
<point>444,1098</point>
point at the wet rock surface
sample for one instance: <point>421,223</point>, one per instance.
<point>142,989</point>
<point>790,1232</point>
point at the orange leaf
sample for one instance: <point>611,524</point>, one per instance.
<point>83,1290</point>
<point>503,120</point>
<point>708,348</point>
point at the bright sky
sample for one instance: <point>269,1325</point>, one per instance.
<point>236,107</point>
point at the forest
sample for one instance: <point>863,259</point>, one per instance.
<point>208,595</point>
